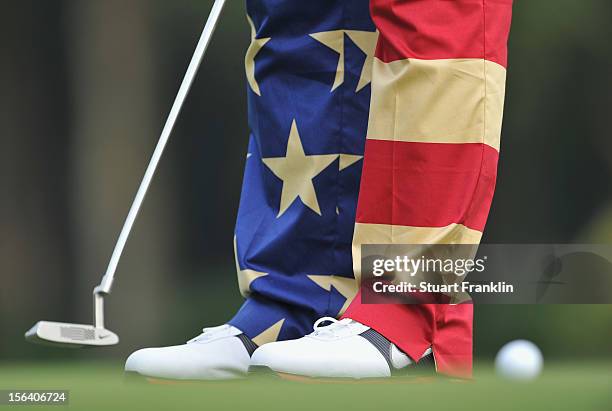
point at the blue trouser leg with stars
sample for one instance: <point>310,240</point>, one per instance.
<point>308,71</point>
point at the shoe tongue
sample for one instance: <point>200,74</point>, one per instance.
<point>343,328</point>
<point>216,329</point>
<point>214,333</point>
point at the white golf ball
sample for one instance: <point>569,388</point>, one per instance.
<point>519,360</point>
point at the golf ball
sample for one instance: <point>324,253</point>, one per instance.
<point>519,360</point>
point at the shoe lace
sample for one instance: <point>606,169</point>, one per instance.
<point>208,333</point>
<point>332,329</point>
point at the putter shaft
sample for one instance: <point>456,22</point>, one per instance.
<point>108,278</point>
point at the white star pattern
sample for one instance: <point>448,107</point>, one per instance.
<point>297,170</point>
<point>249,60</point>
<point>365,40</point>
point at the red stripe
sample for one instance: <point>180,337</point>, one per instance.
<point>427,184</point>
<point>442,29</point>
<point>414,328</point>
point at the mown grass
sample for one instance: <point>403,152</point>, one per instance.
<point>102,386</point>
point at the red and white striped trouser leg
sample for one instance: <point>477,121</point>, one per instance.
<point>430,165</point>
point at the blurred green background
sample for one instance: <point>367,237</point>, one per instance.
<point>85,87</point>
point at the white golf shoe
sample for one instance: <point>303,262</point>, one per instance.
<point>222,352</point>
<point>344,349</point>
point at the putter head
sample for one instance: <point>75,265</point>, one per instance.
<point>70,335</point>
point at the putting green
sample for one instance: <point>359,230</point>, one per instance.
<point>101,386</point>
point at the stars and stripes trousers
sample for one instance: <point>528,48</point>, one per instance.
<point>372,122</point>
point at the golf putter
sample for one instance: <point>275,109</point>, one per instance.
<point>96,335</point>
